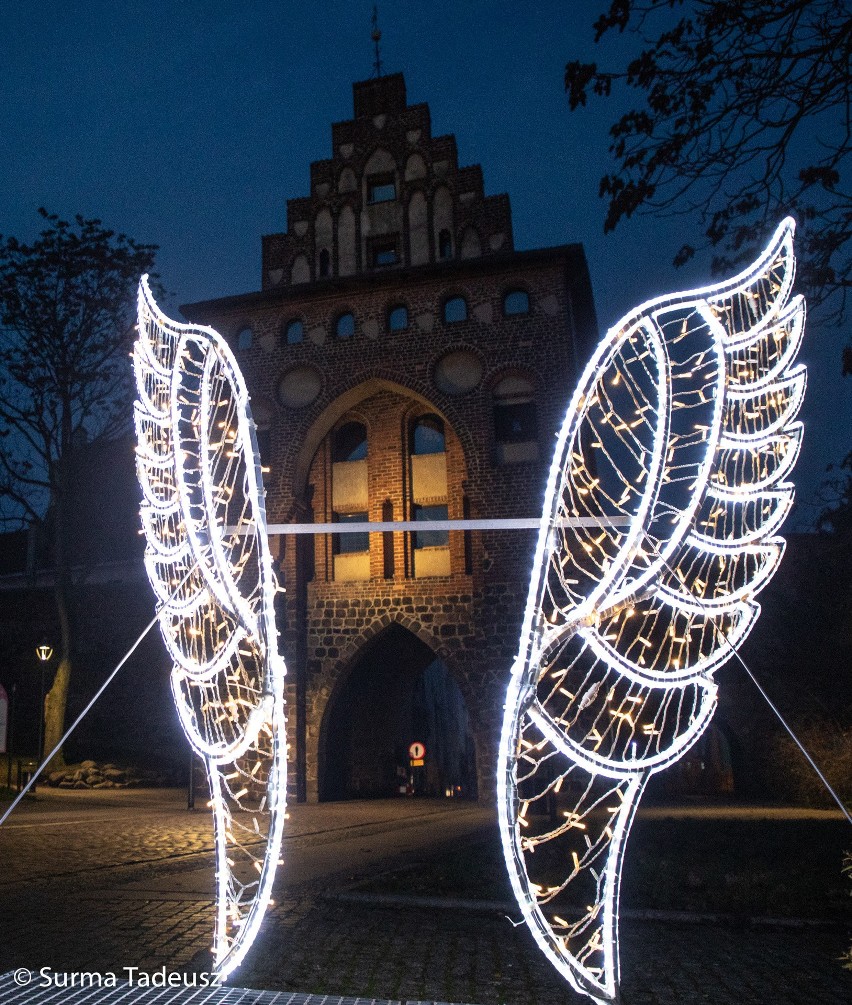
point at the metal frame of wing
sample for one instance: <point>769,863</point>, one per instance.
<point>723,468</point>
<point>223,644</point>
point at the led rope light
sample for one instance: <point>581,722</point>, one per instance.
<point>205,525</point>
<point>674,450</point>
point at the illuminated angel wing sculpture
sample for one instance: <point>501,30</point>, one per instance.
<point>677,441</point>
<point>208,560</point>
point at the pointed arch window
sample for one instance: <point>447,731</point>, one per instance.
<point>429,495</point>
<point>349,498</point>
<point>349,442</point>
<point>427,436</point>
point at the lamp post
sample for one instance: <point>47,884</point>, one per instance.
<point>44,653</point>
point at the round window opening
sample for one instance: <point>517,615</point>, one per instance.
<point>299,387</point>
<point>458,372</point>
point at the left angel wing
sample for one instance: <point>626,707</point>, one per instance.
<point>674,450</point>
<point>208,561</point>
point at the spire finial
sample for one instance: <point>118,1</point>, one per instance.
<point>376,36</point>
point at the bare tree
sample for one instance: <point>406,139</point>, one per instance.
<point>66,308</point>
<point>741,115</point>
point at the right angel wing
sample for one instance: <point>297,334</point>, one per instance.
<point>208,561</point>
<point>673,454</point>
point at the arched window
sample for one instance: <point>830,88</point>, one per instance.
<point>455,309</point>
<point>345,325</point>
<point>383,251</point>
<point>244,337</point>
<point>430,538</point>
<point>346,241</point>
<point>381,188</point>
<point>515,419</point>
<point>349,500</point>
<point>415,167</point>
<point>516,302</point>
<point>264,447</point>
<point>427,444</point>
<point>294,331</point>
<point>398,318</point>
<point>418,229</point>
<point>353,543</point>
<point>347,182</point>
<point>349,442</point>
<point>300,271</point>
<point>324,263</point>
<point>427,435</point>
<point>443,222</point>
<point>471,246</point>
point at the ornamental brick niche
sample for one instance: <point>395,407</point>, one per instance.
<point>411,365</point>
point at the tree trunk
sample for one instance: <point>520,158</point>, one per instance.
<point>56,699</point>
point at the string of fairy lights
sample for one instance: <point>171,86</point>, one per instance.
<point>664,499</point>
<point>678,440</point>
<point>208,561</point>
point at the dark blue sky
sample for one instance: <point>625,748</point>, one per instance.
<point>189,124</point>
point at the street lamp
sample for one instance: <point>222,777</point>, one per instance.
<point>44,653</point>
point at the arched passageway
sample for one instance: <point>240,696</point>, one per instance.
<point>396,693</point>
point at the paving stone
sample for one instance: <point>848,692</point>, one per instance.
<point>99,918</point>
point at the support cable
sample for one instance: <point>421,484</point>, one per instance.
<point>721,635</point>
<point>795,738</point>
<point>46,760</point>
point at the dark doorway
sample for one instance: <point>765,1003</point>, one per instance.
<point>397,693</point>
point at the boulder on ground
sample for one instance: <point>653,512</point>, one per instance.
<point>91,775</point>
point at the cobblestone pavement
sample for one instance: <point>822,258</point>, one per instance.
<point>102,830</point>
<point>447,955</point>
<point>145,827</point>
<point>143,902</point>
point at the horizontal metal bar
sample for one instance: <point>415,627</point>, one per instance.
<point>378,527</point>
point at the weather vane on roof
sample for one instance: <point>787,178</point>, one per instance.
<point>376,36</point>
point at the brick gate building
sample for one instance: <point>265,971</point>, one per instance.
<point>404,363</point>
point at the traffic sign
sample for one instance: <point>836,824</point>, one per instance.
<point>417,751</point>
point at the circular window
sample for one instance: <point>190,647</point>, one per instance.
<point>457,372</point>
<point>299,387</point>
<point>244,338</point>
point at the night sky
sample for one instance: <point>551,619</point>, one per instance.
<point>188,125</point>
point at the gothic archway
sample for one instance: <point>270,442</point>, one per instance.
<point>397,691</point>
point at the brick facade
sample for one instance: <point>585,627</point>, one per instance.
<point>393,222</point>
